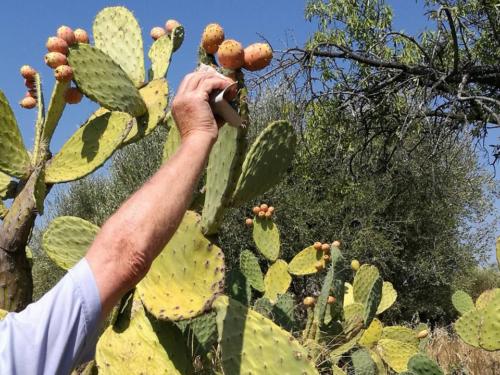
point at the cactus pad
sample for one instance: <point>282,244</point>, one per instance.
<point>367,288</point>
<point>389,296</point>
<point>266,236</point>
<point>396,354</point>
<point>117,33</point>
<point>468,327</point>
<point>336,353</point>
<point>104,81</point>
<point>266,162</point>
<point>489,333</point>
<point>132,346</point>
<point>67,239</point>
<point>372,334</point>
<point>249,266</point>
<point>363,363</point>
<point>173,139</point>
<point>203,329</point>
<point>56,108</point>
<point>253,344</point>
<point>277,280</point>
<point>7,186</point>
<point>238,287</point>
<point>400,333</point>
<point>498,252</point>
<point>304,263</point>
<point>420,364</point>
<point>186,276</point>
<point>3,314</point>
<point>161,51</point>
<point>348,295</point>
<point>155,95</point>
<point>486,297</point>
<point>462,301</point>
<point>379,363</point>
<point>89,147</point>
<point>15,160</point>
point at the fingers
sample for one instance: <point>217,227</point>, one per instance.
<point>213,83</point>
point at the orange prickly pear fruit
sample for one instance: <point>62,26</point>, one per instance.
<point>66,33</point>
<point>262,214</point>
<point>81,36</point>
<point>319,266</point>
<point>28,102</point>
<point>257,56</point>
<point>309,301</point>
<point>355,264</point>
<point>325,247</point>
<point>231,55</point>
<point>422,334</point>
<point>56,44</point>
<point>248,222</point>
<point>331,300</point>
<point>326,258</point>
<point>212,38</point>
<point>30,83</point>
<point>336,244</point>
<point>157,32</point>
<point>317,245</point>
<point>63,73</point>
<point>170,25</point>
<point>73,96</point>
<point>271,209</point>
<point>28,72</point>
<point>256,210</point>
<point>268,215</point>
<point>264,207</point>
<point>55,59</point>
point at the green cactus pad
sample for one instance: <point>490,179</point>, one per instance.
<point>266,162</point>
<point>263,306</point>
<point>396,353</point>
<point>304,263</point>
<point>379,363</point>
<point>222,171</point>
<point>349,294</point>
<point>67,239</point>
<point>468,327</point>
<point>202,331</point>
<point>498,252</point>
<point>186,276</point>
<point>56,108</point>
<point>117,33</point>
<point>400,333</point>
<point>420,364</point>
<point>266,236</point>
<point>161,51</point>
<point>363,363</point>
<point>364,280</point>
<point>462,302</point>
<point>389,296</point>
<point>173,139</point>
<point>238,287</point>
<point>89,147</point>
<point>3,314</point>
<point>7,186</point>
<point>103,81</point>
<point>277,280</point>
<point>155,95</point>
<point>253,344</point>
<point>337,352</point>
<point>249,266</point>
<point>489,332</point>
<point>3,210</point>
<point>486,297</point>
<point>372,334</point>
<point>283,311</point>
<point>132,346</point>
<point>15,160</point>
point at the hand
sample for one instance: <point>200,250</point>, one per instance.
<point>191,109</point>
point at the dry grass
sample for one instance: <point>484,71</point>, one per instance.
<point>457,358</point>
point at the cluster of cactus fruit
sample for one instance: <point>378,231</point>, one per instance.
<point>241,321</point>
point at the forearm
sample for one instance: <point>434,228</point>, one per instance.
<point>131,238</point>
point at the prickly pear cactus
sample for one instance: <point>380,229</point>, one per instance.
<point>306,262</point>
<point>277,280</point>
<point>249,266</point>
<point>462,302</point>
<point>266,236</point>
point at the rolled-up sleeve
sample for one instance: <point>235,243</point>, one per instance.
<point>56,333</point>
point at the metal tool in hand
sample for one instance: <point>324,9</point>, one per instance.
<point>221,107</point>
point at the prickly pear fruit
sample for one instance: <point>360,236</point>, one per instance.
<point>66,33</point>
<point>268,215</point>
<point>28,72</point>
<point>257,56</point>
<point>262,214</point>
<point>63,73</point>
<point>157,32</point>
<point>56,44</point>
<point>231,54</point>
<point>355,264</point>
<point>256,210</point>
<point>317,245</point>
<point>212,38</point>
<point>30,84</point>
<point>81,36</point>
<point>170,25</point>
<point>325,247</point>
<point>271,209</point>
<point>422,334</point>
<point>248,222</point>
<point>336,244</point>
<point>309,301</point>
<point>55,59</point>
<point>73,95</point>
<point>326,258</point>
<point>28,102</point>
<point>319,266</point>
<point>264,207</point>
<point>331,300</point>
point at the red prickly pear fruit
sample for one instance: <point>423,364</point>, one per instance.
<point>309,301</point>
<point>212,38</point>
<point>355,264</point>
<point>262,214</point>
<point>264,207</point>
<point>248,222</point>
<point>30,83</point>
<point>157,32</point>
<point>331,300</point>
<point>336,244</point>
<point>28,102</point>
<point>317,245</point>
<point>81,36</point>
<point>257,56</point>
<point>170,25</point>
<point>325,247</point>
<point>268,215</point>
<point>256,210</point>
<point>73,95</point>
<point>66,33</point>
<point>55,59</point>
<point>28,72</point>
<point>231,55</point>
<point>319,265</point>
<point>63,73</point>
<point>56,44</point>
